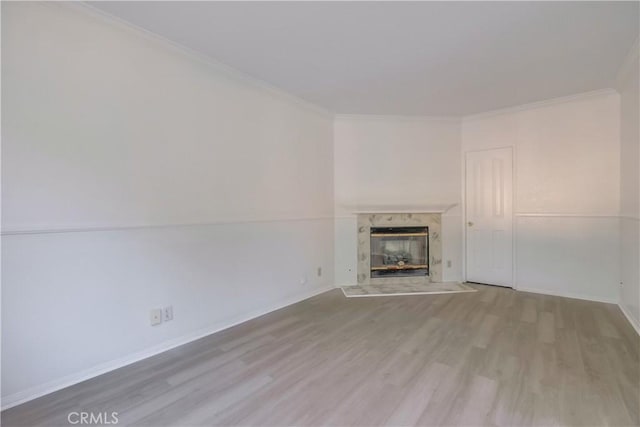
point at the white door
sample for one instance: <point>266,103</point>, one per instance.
<point>489,216</point>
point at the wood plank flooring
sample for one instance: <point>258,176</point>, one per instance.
<point>496,357</point>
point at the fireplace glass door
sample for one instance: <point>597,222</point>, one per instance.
<point>399,251</point>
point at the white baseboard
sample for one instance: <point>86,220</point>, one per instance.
<point>568,295</point>
<point>634,322</point>
<point>58,384</point>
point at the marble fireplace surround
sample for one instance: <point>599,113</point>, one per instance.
<point>433,220</point>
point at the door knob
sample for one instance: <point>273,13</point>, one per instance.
<point>470,224</point>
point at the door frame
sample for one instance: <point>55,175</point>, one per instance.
<point>514,224</point>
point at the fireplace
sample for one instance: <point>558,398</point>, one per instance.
<point>403,247</point>
<point>399,251</point>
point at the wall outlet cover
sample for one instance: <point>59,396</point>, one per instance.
<point>155,317</point>
<point>167,313</point>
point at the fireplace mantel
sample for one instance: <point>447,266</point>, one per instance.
<point>413,208</point>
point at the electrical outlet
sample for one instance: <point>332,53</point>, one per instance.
<point>303,280</point>
<point>167,313</point>
<point>448,263</point>
<point>319,271</point>
<point>155,316</point>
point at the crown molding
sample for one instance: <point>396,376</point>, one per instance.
<point>399,118</point>
<point>214,65</point>
<point>540,104</point>
<point>630,62</point>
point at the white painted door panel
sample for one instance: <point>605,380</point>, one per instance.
<point>489,216</point>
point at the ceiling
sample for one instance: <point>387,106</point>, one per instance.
<point>405,58</point>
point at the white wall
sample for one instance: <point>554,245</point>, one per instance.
<point>567,166</point>
<point>630,187</point>
<point>112,141</point>
<point>567,170</point>
<point>395,161</point>
<point>136,175</point>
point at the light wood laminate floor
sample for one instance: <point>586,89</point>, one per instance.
<point>493,357</point>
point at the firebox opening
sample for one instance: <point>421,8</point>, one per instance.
<point>399,251</point>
